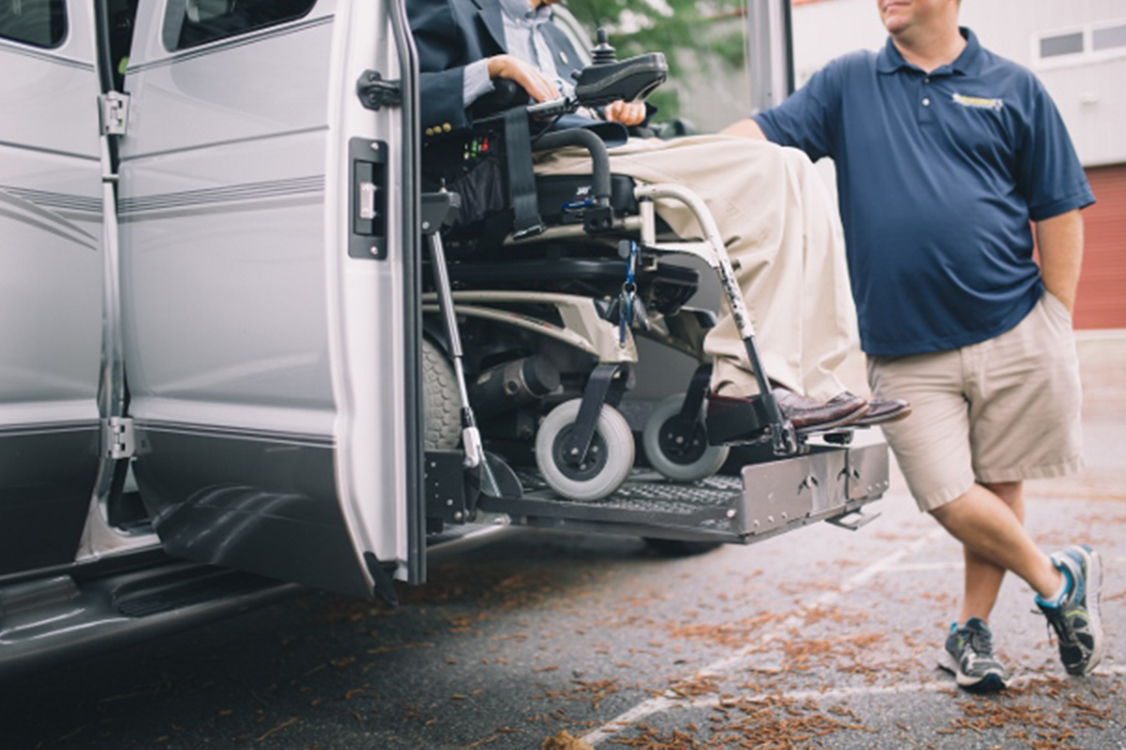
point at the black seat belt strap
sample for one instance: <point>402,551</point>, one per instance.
<point>521,176</point>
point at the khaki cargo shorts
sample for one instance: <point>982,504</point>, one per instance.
<point>1002,410</point>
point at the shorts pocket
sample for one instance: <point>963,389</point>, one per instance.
<point>1058,308</point>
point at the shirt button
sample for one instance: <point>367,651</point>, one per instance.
<point>927,79</point>
<point>926,102</point>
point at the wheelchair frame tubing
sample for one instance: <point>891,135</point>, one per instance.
<point>782,434</point>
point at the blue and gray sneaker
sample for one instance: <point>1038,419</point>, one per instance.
<point>1075,618</point>
<point>969,657</point>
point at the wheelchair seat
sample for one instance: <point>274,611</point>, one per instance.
<point>558,195</point>
<point>480,259</point>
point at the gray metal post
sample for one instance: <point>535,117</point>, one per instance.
<point>769,53</point>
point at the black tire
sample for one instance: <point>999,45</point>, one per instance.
<point>440,407</point>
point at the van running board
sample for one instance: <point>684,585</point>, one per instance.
<point>184,586</point>
<point>765,500</point>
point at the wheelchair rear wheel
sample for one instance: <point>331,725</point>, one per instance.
<point>440,408</point>
<point>680,457</point>
<point>608,462</point>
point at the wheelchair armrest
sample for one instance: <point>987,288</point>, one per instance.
<point>506,94</point>
<point>600,158</point>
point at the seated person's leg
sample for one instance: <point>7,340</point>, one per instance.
<point>784,240</point>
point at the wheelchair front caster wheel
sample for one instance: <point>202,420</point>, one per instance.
<point>679,454</point>
<point>607,463</point>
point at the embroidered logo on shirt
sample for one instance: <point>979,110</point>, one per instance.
<point>979,102</point>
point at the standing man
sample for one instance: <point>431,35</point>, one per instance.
<point>945,152</point>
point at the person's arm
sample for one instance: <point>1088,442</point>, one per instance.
<point>747,128</point>
<point>809,118</point>
<point>1060,242</point>
<point>452,73</point>
<point>529,77</point>
<point>1049,175</point>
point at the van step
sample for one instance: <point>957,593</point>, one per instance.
<point>193,586</point>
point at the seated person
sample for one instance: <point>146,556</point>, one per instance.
<point>782,231</point>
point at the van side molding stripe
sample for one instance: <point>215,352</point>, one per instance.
<point>224,194</point>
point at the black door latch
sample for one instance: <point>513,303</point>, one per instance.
<point>374,92</point>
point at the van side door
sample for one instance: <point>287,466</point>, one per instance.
<point>270,289</point>
<point>51,269</point>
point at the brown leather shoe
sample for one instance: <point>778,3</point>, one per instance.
<point>880,410</point>
<point>805,414</point>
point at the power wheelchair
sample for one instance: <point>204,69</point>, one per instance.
<point>539,286</point>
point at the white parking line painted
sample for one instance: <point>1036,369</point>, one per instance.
<point>946,686</point>
<point>740,658</point>
<point>924,567</point>
<point>929,567</point>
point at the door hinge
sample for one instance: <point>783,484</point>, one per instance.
<point>118,437</point>
<point>374,92</point>
<point>115,113</point>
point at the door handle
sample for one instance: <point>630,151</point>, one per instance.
<point>367,208</point>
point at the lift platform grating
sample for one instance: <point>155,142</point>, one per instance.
<point>766,499</point>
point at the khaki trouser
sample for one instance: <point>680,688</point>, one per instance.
<point>784,238</point>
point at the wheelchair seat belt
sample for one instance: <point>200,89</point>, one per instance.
<point>521,176</point>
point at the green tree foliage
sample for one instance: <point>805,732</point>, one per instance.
<point>692,34</point>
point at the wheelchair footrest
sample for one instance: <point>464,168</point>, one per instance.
<point>739,423</point>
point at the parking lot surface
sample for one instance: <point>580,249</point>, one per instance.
<point>820,638</point>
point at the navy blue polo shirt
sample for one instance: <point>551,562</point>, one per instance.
<point>939,175</point>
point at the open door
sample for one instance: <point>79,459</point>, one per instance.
<point>270,288</point>
<point>51,280</point>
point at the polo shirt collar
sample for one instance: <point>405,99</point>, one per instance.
<point>968,62</point>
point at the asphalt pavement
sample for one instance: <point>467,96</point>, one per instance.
<point>823,638</point>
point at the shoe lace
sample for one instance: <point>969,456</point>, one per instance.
<point>981,641</point>
<point>1053,623</point>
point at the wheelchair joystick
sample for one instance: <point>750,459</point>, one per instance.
<point>603,53</point>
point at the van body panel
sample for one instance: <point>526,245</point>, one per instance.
<point>264,364</point>
<point>50,295</point>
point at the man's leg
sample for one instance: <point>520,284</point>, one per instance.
<point>1025,418</point>
<point>991,531</point>
<point>982,577</point>
<point>933,449</point>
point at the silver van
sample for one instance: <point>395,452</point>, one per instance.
<point>214,306</point>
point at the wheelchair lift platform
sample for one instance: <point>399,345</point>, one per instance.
<point>764,500</point>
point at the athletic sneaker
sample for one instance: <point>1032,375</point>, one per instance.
<point>969,657</point>
<point>1075,618</point>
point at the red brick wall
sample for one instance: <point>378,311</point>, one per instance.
<point>1101,301</point>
